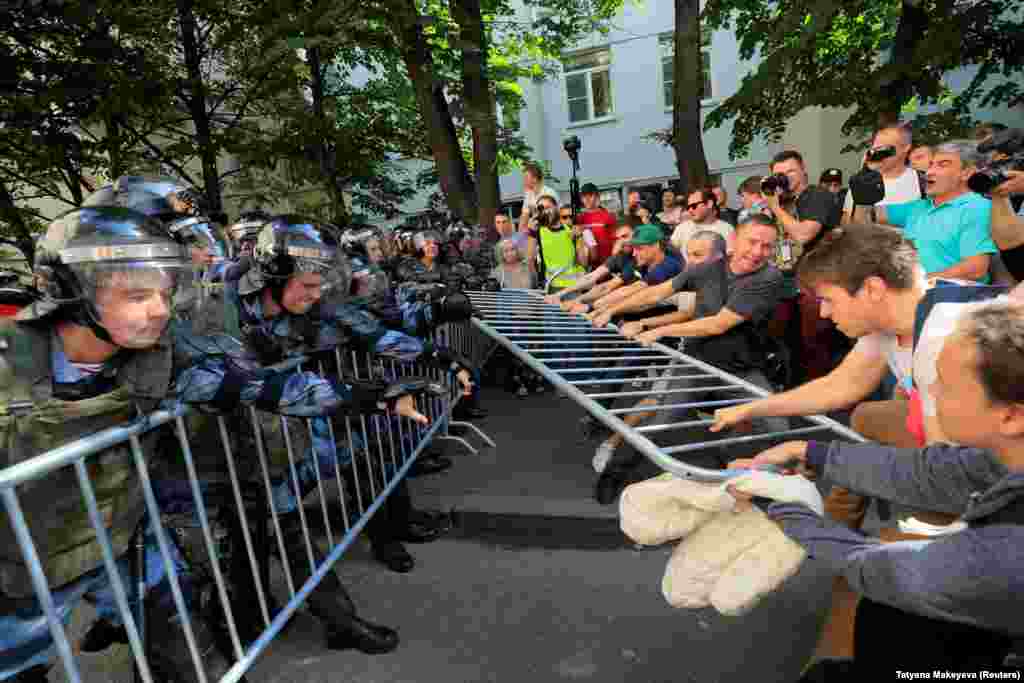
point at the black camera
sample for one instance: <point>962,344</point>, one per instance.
<point>775,184</point>
<point>572,146</point>
<point>1010,144</point>
<point>880,153</point>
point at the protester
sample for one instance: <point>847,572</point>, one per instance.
<point>654,265</point>
<point>725,213</point>
<point>703,247</point>
<point>951,603</point>
<point>672,212</point>
<point>701,215</point>
<point>734,296</point>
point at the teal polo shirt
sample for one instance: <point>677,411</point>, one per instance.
<point>945,235</point>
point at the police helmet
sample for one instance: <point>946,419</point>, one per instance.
<point>202,233</point>
<point>246,229</point>
<point>161,197</point>
<point>88,249</point>
<point>289,245</point>
<point>420,240</point>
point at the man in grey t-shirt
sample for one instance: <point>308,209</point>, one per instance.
<point>734,296</point>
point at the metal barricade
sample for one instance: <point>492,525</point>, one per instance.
<point>290,471</point>
<point>583,362</point>
<point>464,338</point>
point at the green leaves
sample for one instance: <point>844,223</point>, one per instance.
<point>873,56</point>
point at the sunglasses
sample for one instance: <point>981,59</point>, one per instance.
<point>566,215</point>
<point>693,206</point>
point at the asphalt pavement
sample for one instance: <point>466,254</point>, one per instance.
<point>536,583</point>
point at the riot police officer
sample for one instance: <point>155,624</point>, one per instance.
<point>90,353</point>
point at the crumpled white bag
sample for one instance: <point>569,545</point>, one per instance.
<point>727,559</point>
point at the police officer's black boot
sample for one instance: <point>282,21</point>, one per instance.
<point>168,653</point>
<point>245,606</point>
<point>329,601</point>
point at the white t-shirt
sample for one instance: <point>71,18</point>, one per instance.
<point>919,365</point>
<point>904,188</point>
<point>687,229</point>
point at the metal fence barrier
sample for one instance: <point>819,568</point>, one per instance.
<point>594,365</point>
<point>274,455</point>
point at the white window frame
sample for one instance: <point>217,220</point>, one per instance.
<point>667,50</point>
<point>588,72</point>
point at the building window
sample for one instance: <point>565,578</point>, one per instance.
<point>666,45</point>
<point>588,86</point>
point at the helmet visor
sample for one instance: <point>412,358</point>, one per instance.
<point>134,300</point>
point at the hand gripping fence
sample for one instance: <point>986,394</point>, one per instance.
<point>591,364</point>
<point>265,465</point>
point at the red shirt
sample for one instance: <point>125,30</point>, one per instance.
<point>602,224</point>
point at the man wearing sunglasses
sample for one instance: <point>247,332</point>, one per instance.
<point>701,214</point>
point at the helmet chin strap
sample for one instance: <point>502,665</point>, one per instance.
<point>85,314</point>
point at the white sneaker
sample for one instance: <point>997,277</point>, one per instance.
<point>604,453</point>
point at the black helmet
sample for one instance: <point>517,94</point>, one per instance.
<point>420,239</point>
<point>201,232</point>
<point>246,229</point>
<point>86,249</point>
<point>161,197</point>
<point>288,245</point>
<point>354,241</point>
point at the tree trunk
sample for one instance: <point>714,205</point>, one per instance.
<point>452,172</point>
<point>688,78</point>
<point>195,99</point>
<point>480,108</point>
<point>19,231</point>
<point>897,90</point>
<point>324,151</point>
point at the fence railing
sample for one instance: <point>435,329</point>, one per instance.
<point>245,465</point>
<point>598,367</point>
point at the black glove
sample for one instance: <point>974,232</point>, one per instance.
<point>446,359</point>
<point>867,188</point>
<point>452,308</point>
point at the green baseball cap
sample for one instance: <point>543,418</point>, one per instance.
<point>647,234</point>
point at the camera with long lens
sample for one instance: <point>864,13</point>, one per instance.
<point>777,183</point>
<point>876,154</point>
<point>1009,144</point>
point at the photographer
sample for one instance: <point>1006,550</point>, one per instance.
<point>1007,226</point>
<point>949,228</point>
<point>804,214</point>
<point>888,156</point>
<point>555,245</point>
<point>1006,174</point>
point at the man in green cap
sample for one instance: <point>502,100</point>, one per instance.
<point>654,264</point>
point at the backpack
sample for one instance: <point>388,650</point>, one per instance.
<point>949,291</point>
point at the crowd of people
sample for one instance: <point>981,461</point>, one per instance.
<point>883,298</point>
<point>889,298</point>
